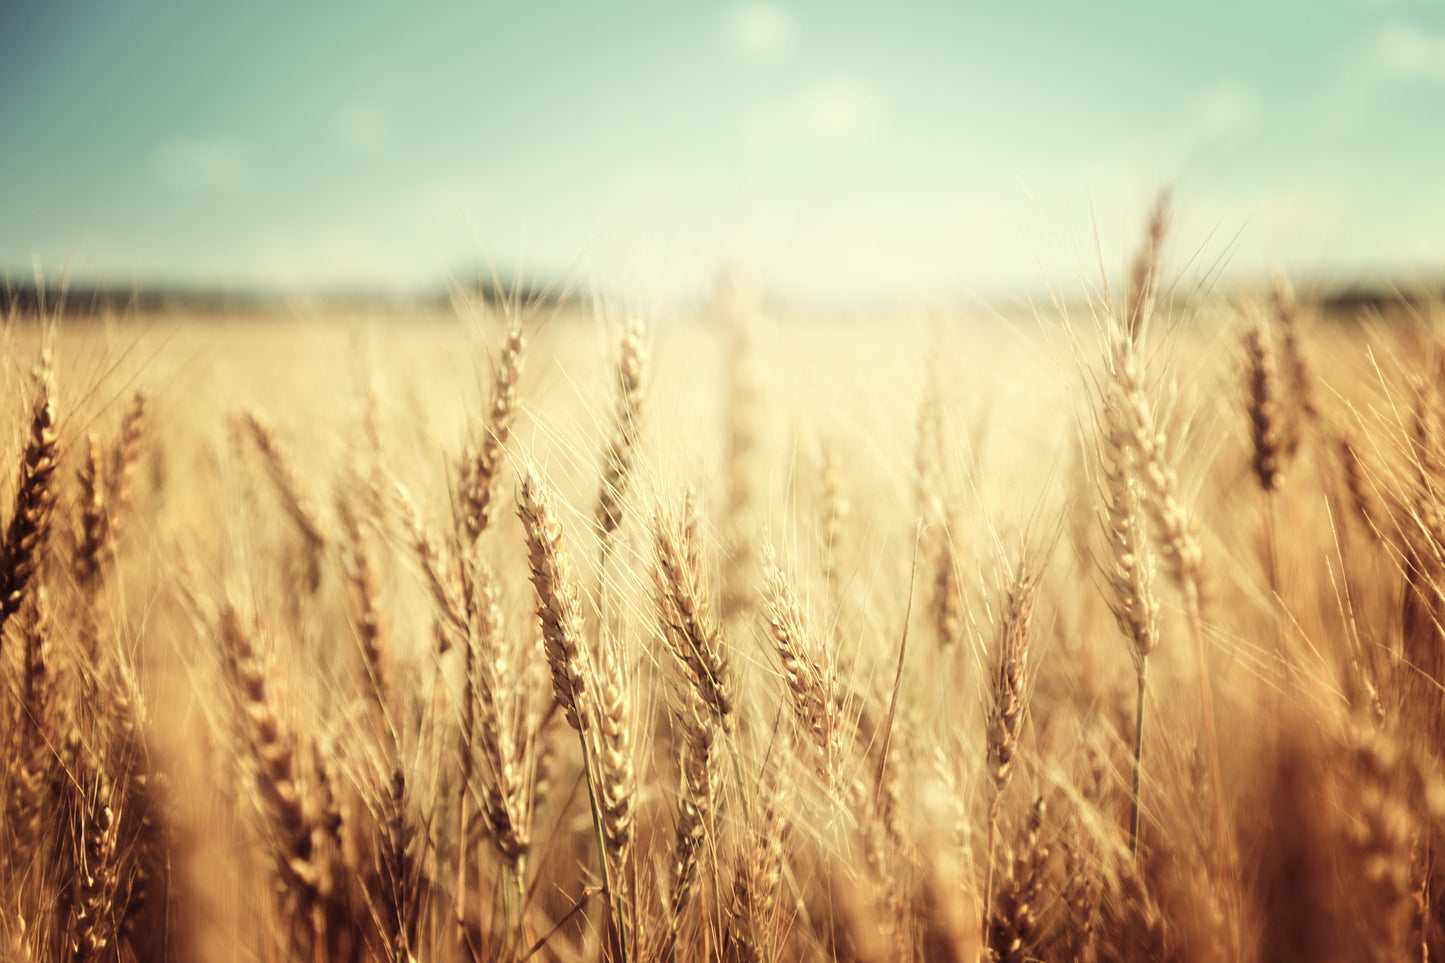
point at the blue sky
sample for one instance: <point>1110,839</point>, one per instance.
<point>838,149</point>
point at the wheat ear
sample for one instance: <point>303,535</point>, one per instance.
<point>124,457</point>
<point>1130,576</point>
<point>94,923</point>
<point>615,765</point>
<point>273,750</point>
<point>558,606</point>
<point>293,495</point>
<point>741,441</point>
<point>29,525</point>
<point>686,619</point>
<point>481,467</point>
<point>1357,483</point>
<point>560,615</point>
<point>32,759</point>
<point>621,447</point>
<point>807,669</point>
<point>361,574</point>
<point>696,807</point>
<point>1144,273</point>
<point>441,576</point>
<point>1262,390</point>
<point>90,552</point>
<point>1009,701</point>
<point>1176,532</point>
<point>1299,371</point>
<point>1015,922</point>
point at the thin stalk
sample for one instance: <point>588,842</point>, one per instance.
<point>587,895</point>
<point>1271,525</point>
<point>1135,805</point>
<point>516,937</point>
<point>1224,858</point>
<point>466,736</point>
<point>988,872</point>
<point>613,898</point>
<point>461,903</point>
<point>506,918</point>
<point>521,878</point>
<point>462,836</point>
<point>736,754</point>
<point>748,820</point>
<point>738,774</point>
<point>607,891</point>
<point>898,674</point>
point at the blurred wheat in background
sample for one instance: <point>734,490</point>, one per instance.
<point>1114,635</point>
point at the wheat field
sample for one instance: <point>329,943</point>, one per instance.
<point>1110,632</point>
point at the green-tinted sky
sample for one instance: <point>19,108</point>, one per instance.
<point>837,148</point>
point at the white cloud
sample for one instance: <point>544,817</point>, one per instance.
<point>760,29</point>
<point>1407,50</point>
<point>1227,108</point>
<point>202,164</point>
<point>362,128</point>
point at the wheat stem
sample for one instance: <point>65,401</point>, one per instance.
<point>1135,804</point>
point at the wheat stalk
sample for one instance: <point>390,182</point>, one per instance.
<point>1009,701</point>
<point>1144,273</point>
<point>1262,390</point>
<point>31,759</point>
<point>29,526</point>
<point>696,808</point>
<point>947,601</point>
<point>1011,676</point>
<point>685,617</point>
<point>1362,495</point>
<point>94,920</point>
<point>441,577</point>
<point>835,512</point>
<point>740,456</point>
<point>754,900</point>
<point>558,606</point>
<point>293,495</point>
<point>614,752</point>
<point>1015,923</point>
<point>126,455</point>
<point>621,448</point>
<point>1130,575</point>
<point>1176,532</point>
<point>361,572</point>
<point>90,553</point>
<point>807,670</point>
<point>273,752</point>
<point>1298,368</point>
<point>481,467</point>
<point>559,612</point>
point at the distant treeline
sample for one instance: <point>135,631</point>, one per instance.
<point>1350,302</point>
<point>27,299</point>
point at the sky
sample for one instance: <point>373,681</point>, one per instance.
<point>833,149</point>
